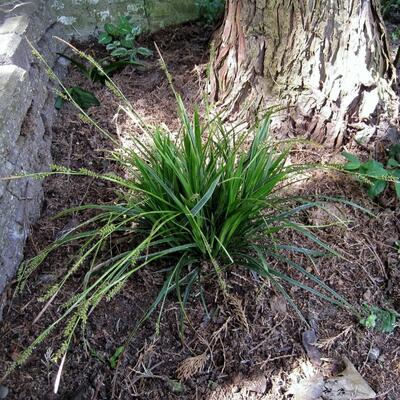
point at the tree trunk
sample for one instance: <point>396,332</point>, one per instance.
<point>326,60</point>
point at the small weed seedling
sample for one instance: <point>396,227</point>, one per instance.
<point>379,319</point>
<point>113,360</point>
<point>374,174</point>
<point>120,40</point>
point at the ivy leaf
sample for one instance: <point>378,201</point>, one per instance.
<point>353,161</point>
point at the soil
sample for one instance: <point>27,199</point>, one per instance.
<point>246,347</point>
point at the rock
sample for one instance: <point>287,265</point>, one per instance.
<point>374,354</point>
<point>26,112</point>
<point>3,392</point>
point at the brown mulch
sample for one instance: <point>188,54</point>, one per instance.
<point>244,347</point>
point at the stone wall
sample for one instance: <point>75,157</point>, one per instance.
<point>83,17</point>
<point>26,111</point>
<point>27,101</point>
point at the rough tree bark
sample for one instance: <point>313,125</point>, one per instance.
<point>328,60</point>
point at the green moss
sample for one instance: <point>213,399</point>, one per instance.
<point>170,12</point>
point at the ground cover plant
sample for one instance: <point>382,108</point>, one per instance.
<point>120,40</point>
<point>375,175</point>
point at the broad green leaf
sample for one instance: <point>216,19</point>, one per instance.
<point>128,44</point>
<point>379,318</point>
<point>392,163</point>
<point>144,51</point>
<point>374,169</point>
<point>369,322</point>
<point>124,25</point>
<point>118,65</point>
<point>105,38</point>
<point>353,161</point>
<point>111,29</point>
<point>377,188</point>
<point>83,98</point>
<point>119,52</point>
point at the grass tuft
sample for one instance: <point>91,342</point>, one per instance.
<point>209,196</point>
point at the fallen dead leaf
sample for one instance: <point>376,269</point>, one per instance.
<point>349,384</point>
<point>309,340</point>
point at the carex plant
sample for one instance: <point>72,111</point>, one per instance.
<point>208,198</point>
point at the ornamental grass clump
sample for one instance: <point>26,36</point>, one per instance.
<point>210,196</point>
